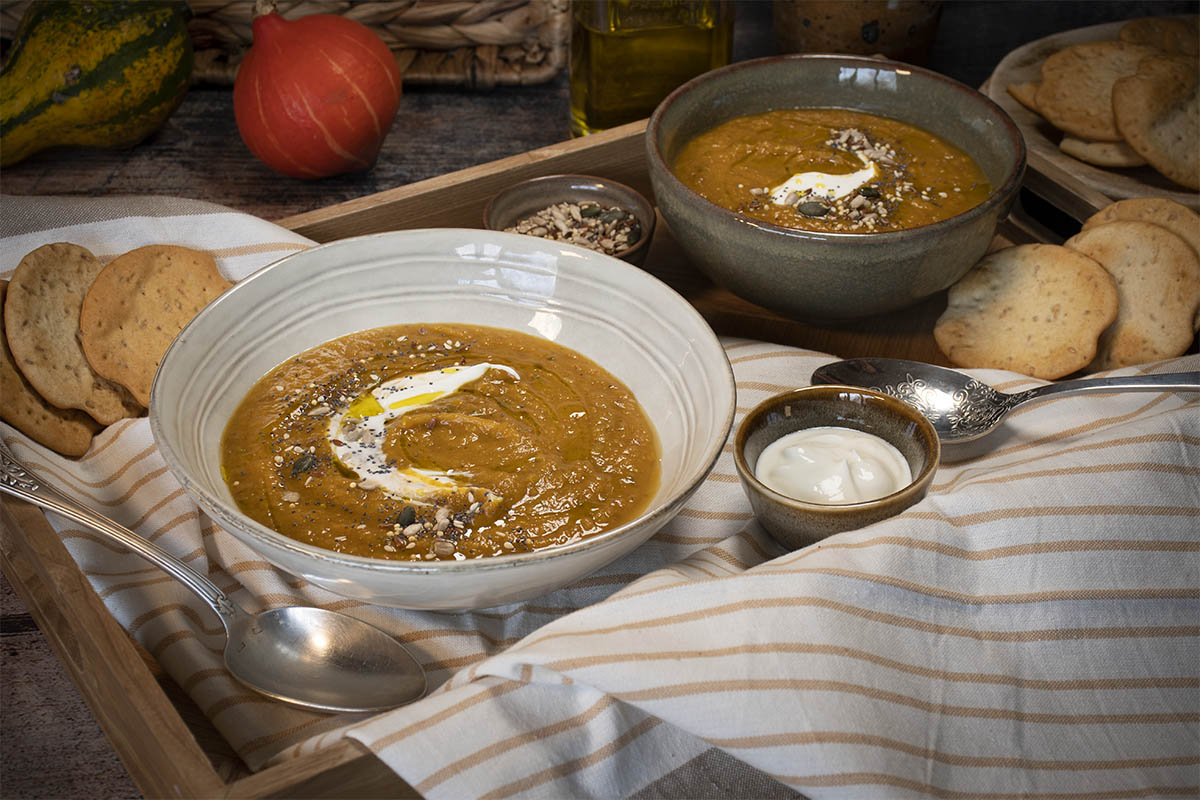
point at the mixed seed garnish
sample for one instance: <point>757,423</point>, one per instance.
<point>437,530</point>
<point>609,230</point>
<point>869,207</point>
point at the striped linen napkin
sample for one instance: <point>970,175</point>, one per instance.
<point>1031,629</point>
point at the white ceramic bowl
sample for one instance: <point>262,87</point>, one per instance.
<point>621,317</point>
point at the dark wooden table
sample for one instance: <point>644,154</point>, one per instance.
<point>198,152</point>
<point>50,747</point>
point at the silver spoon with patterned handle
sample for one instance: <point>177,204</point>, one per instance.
<point>306,657</point>
<point>962,408</point>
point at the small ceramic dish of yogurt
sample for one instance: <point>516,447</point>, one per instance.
<point>825,459</point>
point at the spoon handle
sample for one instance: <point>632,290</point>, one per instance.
<point>19,482</point>
<point>1165,382</point>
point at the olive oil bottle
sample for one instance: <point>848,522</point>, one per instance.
<point>627,55</point>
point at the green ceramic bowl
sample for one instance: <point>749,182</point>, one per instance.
<point>796,523</point>
<point>833,276</point>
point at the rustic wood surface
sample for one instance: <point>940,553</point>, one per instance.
<point>51,745</point>
<point>198,152</point>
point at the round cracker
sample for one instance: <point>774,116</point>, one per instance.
<point>1037,309</point>
<point>1077,84</point>
<point>1025,94</point>
<point>1175,217</point>
<point>65,431</point>
<point>1102,154</point>
<point>1157,111</point>
<point>1158,281</point>
<point>138,304</point>
<point>1169,34</point>
<point>41,318</point>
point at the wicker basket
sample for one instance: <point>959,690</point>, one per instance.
<point>437,42</point>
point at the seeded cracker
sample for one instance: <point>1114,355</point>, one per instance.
<point>1077,87</point>
<point>138,304</point>
<point>1175,217</point>
<point>1157,111</point>
<point>1025,94</point>
<point>41,319</point>
<point>1037,309</point>
<point>65,431</point>
<point>1158,281</point>
<point>1169,34</point>
<point>1102,154</point>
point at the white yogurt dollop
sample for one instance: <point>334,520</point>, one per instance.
<point>356,434</point>
<point>823,185</point>
<point>833,465</point>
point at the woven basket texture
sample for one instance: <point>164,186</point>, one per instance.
<point>469,43</point>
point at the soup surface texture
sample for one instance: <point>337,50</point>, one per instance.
<point>423,442</point>
<point>831,170</point>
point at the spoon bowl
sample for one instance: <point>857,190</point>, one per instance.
<point>306,657</point>
<point>962,408</point>
<point>333,661</point>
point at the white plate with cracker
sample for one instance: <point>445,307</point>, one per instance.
<point>1023,66</point>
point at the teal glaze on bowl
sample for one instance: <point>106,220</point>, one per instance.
<point>826,277</point>
<point>797,523</point>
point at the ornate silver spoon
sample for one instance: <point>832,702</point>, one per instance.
<point>962,408</point>
<point>306,657</point>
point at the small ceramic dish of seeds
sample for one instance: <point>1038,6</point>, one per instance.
<point>583,210</point>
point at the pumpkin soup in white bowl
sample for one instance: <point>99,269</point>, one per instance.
<point>443,418</point>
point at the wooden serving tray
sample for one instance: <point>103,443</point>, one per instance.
<point>167,745</point>
<point>458,200</point>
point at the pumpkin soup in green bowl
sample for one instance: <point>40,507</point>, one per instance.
<point>830,187</point>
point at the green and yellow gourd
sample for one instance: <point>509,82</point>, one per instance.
<point>95,74</point>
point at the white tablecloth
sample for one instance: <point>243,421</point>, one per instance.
<point>1029,630</point>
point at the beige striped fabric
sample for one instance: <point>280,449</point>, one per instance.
<point>1031,629</point>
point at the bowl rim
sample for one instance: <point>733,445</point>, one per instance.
<point>229,516</point>
<point>918,484</point>
<point>999,195</point>
<point>647,217</point>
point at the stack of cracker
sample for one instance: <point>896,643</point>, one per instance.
<point>81,340</point>
<point>1125,290</point>
<point>1126,102</point>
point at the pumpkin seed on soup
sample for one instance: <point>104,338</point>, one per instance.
<point>303,464</point>
<point>407,516</point>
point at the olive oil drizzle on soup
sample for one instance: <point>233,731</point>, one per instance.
<point>865,173</point>
<point>424,442</point>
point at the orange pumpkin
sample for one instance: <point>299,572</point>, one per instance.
<point>315,96</point>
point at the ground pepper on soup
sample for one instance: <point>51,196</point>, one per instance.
<point>423,442</point>
<point>831,170</point>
